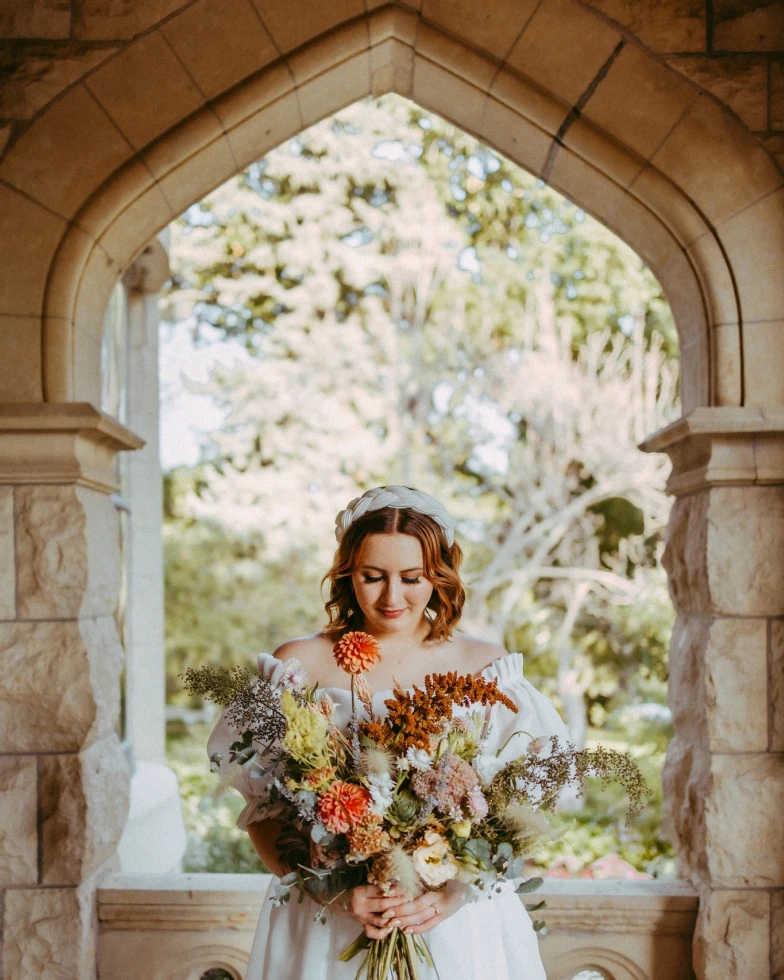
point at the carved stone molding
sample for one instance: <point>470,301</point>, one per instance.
<point>725,446</point>
<point>61,442</point>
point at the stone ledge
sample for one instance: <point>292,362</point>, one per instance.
<point>722,446</point>
<point>138,902</point>
<point>61,442</point>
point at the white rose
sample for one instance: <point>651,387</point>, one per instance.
<point>487,767</point>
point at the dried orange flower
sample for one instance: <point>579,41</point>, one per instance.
<point>356,652</point>
<point>342,806</point>
<point>413,717</point>
<point>368,837</point>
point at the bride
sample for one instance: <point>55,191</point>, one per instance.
<point>394,575</point>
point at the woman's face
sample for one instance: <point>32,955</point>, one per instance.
<point>389,582</point>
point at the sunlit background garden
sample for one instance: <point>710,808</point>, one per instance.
<point>386,300</point>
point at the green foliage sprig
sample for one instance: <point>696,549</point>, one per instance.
<point>252,704</point>
<point>218,684</point>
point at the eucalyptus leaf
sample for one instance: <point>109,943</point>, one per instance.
<point>529,886</point>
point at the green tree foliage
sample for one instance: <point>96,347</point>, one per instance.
<point>408,306</point>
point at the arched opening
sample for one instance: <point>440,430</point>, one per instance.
<point>95,175</point>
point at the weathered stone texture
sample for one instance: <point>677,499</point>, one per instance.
<point>743,811</point>
<point>735,686</point>
<point>84,806</point>
<point>731,941</point>
<point>748,25</point>
<point>49,933</point>
<point>42,19</point>
<point>725,551</point>
<point>18,821</point>
<point>97,20</point>
<point>776,692</point>
<point>61,688</point>
<point>740,81</point>
<point>67,552</point>
<point>669,25</point>
<point>686,774</point>
<point>777,935</point>
<point>35,81</point>
<point>777,94</point>
<point>7,564</point>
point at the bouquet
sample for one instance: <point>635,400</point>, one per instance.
<point>411,799</point>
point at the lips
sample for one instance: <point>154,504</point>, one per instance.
<point>392,613</point>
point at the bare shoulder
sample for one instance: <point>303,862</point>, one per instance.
<point>476,653</point>
<point>306,649</point>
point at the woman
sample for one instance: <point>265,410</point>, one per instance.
<point>395,575</point>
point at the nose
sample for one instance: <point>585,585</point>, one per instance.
<point>393,594</point>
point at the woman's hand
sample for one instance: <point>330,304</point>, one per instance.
<point>420,914</point>
<point>370,907</point>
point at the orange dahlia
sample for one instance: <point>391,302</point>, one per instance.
<point>342,806</point>
<point>356,652</point>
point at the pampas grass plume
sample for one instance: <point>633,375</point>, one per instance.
<point>376,761</point>
<point>528,826</point>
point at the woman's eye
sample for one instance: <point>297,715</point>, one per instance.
<point>368,579</point>
<point>408,581</point>
<point>411,581</point>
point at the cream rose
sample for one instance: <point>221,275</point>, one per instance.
<point>434,861</point>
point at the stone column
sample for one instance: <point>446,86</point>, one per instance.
<point>154,838</point>
<point>724,773</point>
<point>63,775</point>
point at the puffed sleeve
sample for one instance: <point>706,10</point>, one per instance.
<point>536,714</point>
<point>253,779</point>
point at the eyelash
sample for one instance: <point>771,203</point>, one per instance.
<point>408,581</point>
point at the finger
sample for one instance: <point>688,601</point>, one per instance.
<point>416,918</point>
<point>373,932</point>
<point>416,905</point>
<point>425,926</point>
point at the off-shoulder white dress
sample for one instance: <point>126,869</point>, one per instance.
<point>487,939</point>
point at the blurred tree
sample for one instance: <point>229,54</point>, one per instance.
<point>414,308</point>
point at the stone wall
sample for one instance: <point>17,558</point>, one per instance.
<point>724,772</point>
<point>64,785</point>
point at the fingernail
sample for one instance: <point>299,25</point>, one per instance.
<point>395,924</point>
<point>407,930</point>
<point>389,913</point>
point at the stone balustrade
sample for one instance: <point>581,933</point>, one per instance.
<point>181,926</point>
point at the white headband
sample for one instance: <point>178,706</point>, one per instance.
<point>396,496</point>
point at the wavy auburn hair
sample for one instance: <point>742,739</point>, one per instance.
<point>441,565</point>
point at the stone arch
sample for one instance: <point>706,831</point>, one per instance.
<point>671,171</point>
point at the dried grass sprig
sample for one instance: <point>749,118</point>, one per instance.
<point>537,779</point>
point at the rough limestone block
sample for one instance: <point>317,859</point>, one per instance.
<point>731,941</point>
<point>776,695</point>
<point>669,25</point>
<point>735,685</point>
<point>60,684</point>
<point>748,25</point>
<point>68,562</point>
<point>686,774</point>
<point>84,805</point>
<point>725,551</point>
<point>7,570</point>
<point>49,933</point>
<point>743,810</point>
<point>777,935</point>
<point>18,821</point>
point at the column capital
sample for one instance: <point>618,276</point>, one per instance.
<point>61,442</point>
<point>722,446</point>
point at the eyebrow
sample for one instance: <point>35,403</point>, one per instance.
<point>417,568</point>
